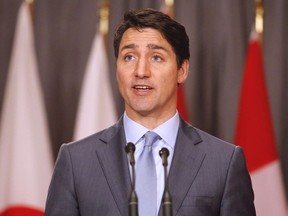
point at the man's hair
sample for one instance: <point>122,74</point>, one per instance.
<point>171,30</point>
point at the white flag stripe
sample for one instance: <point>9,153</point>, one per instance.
<point>96,109</point>
<point>25,151</point>
<point>269,190</point>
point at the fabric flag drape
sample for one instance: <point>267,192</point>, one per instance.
<point>25,153</point>
<point>96,109</point>
<point>181,103</point>
<point>254,132</point>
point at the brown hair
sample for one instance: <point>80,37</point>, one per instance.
<point>171,30</point>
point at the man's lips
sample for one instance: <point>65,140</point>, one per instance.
<point>142,90</point>
<point>142,87</point>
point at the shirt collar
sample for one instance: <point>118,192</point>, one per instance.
<point>133,130</point>
<point>167,131</point>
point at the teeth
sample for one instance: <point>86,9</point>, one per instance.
<point>142,87</point>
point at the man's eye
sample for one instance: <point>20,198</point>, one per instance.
<point>129,58</point>
<point>156,58</point>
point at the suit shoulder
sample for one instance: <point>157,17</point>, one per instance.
<point>198,136</point>
<point>214,143</point>
<point>218,151</point>
<point>98,138</point>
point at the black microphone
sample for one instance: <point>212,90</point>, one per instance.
<point>133,199</point>
<point>166,199</point>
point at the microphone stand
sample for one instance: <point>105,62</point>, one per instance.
<point>166,199</point>
<point>133,199</point>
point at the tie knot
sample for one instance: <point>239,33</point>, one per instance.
<point>150,138</point>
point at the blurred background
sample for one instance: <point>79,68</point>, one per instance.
<point>219,32</point>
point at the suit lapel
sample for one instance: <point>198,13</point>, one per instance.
<point>114,163</point>
<point>186,162</point>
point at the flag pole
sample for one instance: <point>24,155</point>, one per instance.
<point>259,20</point>
<point>169,4</point>
<point>104,20</point>
<point>30,4</point>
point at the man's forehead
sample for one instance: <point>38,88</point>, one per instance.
<point>143,34</point>
<point>149,38</point>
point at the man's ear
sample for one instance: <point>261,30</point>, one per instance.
<point>183,72</point>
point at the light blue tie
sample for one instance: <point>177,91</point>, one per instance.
<point>146,181</point>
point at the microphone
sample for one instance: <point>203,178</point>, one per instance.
<point>166,199</point>
<point>133,199</point>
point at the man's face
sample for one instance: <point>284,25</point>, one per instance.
<point>147,74</point>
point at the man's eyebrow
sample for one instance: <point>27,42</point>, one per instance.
<point>155,46</point>
<point>129,46</point>
<point>150,46</point>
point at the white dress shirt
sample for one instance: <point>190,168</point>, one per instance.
<point>134,133</point>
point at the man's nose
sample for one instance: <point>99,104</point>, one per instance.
<point>142,68</point>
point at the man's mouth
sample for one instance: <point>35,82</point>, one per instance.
<point>142,87</point>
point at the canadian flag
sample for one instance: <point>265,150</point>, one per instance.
<point>181,103</point>
<point>25,153</point>
<point>254,132</point>
<point>96,109</point>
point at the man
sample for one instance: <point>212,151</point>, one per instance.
<point>207,176</point>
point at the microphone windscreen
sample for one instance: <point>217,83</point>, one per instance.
<point>130,147</point>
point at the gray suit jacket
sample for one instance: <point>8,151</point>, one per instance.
<point>208,177</point>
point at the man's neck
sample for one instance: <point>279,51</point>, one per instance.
<point>149,120</point>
